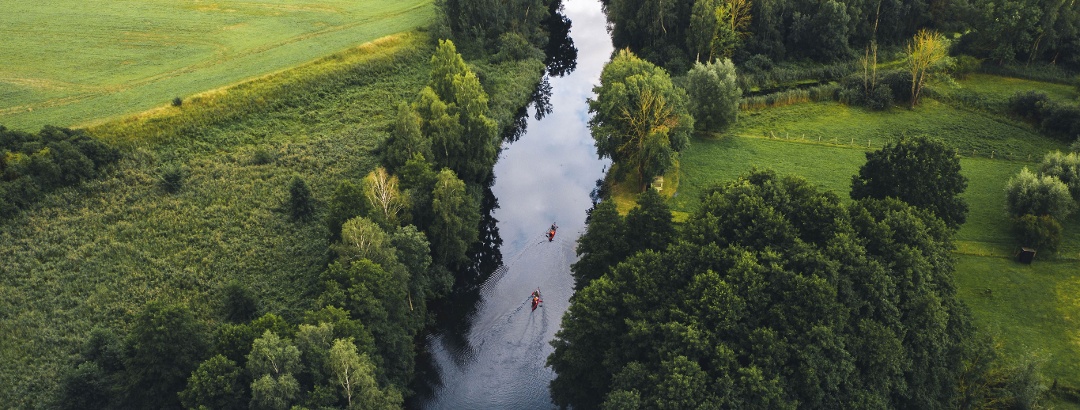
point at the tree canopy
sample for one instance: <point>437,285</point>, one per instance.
<point>639,118</point>
<point>921,171</point>
<point>773,295</point>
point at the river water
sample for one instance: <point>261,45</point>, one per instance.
<point>493,353</point>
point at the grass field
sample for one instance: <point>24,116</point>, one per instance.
<point>1033,310</point>
<point>94,255</point>
<point>79,61</point>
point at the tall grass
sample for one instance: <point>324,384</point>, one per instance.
<point>94,255</point>
<point>824,92</point>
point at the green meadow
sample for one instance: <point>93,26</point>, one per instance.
<point>1032,310</point>
<point>94,255</point>
<point>77,62</point>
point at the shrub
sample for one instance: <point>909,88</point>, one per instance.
<point>1065,167</point>
<point>301,204</point>
<point>714,95</point>
<point>172,178</point>
<point>1026,104</point>
<point>262,156</point>
<point>1040,232</point>
<point>853,92</point>
<point>241,306</point>
<point>1061,121</point>
<point>1028,193</point>
<point>514,47</point>
<point>964,65</point>
<point>176,102</point>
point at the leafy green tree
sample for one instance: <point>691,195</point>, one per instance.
<point>215,384</point>
<point>603,245</point>
<point>1040,232</point>
<point>240,302</point>
<point>354,374</point>
<point>363,239</point>
<point>454,109</point>
<point>301,205</point>
<point>649,224</point>
<point>272,363</point>
<point>406,139</point>
<point>1066,168</point>
<point>921,171</point>
<point>456,219</point>
<point>774,295</point>
<point>703,29</point>
<point>714,95</point>
<point>165,345</point>
<point>1031,194</point>
<point>97,379</point>
<point>348,202</point>
<point>640,119</point>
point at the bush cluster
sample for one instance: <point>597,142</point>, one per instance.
<point>1037,201</point>
<point>32,165</point>
<point>1056,119</point>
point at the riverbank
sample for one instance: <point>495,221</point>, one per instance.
<point>94,255</point>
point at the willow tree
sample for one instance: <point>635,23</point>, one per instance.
<point>926,50</point>
<point>640,119</point>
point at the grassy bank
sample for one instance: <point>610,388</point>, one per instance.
<point>1031,310</point>
<point>94,255</point>
<point>73,62</point>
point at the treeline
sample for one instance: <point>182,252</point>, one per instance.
<point>676,33</point>
<point>775,294</point>
<point>32,165</point>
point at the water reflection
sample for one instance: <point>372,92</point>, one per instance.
<point>489,348</point>
<point>560,51</point>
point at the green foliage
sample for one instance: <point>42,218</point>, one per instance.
<point>354,374</point>
<point>454,110</point>
<point>272,363</point>
<point>406,139</point>
<point>241,304</point>
<point>1028,193</point>
<point>165,344</point>
<point>172,178</point>
<point>922,171</point>
<point>215,384</point>
<point>456,219</point>
<point>1064,167</point>
<point>301,205</point>
<point>55,157</point>
<point>601,246</point>
<point>773,295</point>
<point>74,77</point>
<point>714,95</point>
<point>1041,232</point>
<point>482,25</point>
<point>347,203</point>
<point>639,118</point>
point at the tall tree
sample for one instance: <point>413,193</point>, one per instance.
<point>165,345</point>
<point>215,384</point>
<point>381,191</point>
<point>775,295</point>
<point>457,218</point>
<point>454,108</point>
<point>921,171</point>
<point>355,375</point>
<point>927,49</point>
<point>272,363</point>
<point>640,119</point>
<point>714,95</point>
<point>602,246</point>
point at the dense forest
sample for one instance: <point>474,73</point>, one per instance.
<point>757,34</point>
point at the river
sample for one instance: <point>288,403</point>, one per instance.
<point>495,355</point>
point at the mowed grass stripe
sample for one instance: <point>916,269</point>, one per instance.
<point>73,62</point>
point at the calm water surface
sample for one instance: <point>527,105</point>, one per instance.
<point>494,356</point>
